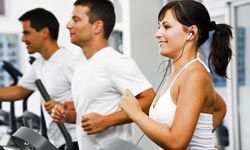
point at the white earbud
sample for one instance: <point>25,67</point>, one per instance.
<point>189,36</point>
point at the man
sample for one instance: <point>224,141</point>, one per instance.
<point>55,67</point>
<point>99,83</point>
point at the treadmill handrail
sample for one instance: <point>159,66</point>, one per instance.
<point>15,74</point>
<point>65,133</point>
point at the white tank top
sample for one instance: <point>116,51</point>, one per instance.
<point>164,110</point>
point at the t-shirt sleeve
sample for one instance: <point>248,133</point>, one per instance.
<point>28,80</point>
<point>125,74</point>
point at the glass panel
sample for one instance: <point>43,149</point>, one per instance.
<point>9,48</point>
<point>115,41</point>
<point>243,52</point>
<point>2,9</point>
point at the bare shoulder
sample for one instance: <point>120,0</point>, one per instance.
<point>195,87</point>
<point>197,75</point>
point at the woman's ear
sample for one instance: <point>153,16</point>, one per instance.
<point>193,30</point>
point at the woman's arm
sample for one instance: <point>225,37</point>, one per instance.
<point>191,99</point>
<point>220,110</point>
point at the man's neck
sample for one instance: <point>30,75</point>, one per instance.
<point>90,49</point>
<point>49,49</point>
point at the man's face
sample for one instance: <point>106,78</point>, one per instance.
<point>33,39</point>
<point>81,31</point>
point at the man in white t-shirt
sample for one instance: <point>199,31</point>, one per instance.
<point>55,67</point>
<point>99,83</point>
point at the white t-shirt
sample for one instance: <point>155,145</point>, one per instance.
<point>97,86</point>
<point>56,73</point>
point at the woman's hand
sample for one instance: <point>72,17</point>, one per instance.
<point>130,105</point>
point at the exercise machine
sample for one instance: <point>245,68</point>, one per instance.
<point>27,139</point>
<point>46,97</point>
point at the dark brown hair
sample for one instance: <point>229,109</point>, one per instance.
<point>41,18</point>
<point>100,10</point>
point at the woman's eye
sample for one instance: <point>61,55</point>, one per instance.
<point>166,27</point>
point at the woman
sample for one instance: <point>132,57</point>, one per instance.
<point>187,108</point>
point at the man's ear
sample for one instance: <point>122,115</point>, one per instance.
<point>98,27</point>
<point>46,33</point>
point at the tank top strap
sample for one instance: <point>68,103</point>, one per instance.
<point>204,64</point>
<point>182,69</point>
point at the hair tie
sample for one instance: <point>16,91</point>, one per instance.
<point>212,26</point>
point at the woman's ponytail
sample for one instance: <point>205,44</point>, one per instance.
<point>221,51</point>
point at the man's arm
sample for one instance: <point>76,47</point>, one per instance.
<point>220,110</point>
<point>13,93</point>
<point>64,113</point>
<point>95,123</point>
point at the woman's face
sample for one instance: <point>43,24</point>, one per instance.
<point>171,36</point>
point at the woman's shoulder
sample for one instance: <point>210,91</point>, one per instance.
<point>196,73</point>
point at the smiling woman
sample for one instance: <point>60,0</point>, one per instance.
<point>184,25</point>
<point>2,8</point>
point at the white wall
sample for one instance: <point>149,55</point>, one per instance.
<point>139,24</point>
<point>144,47</point>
